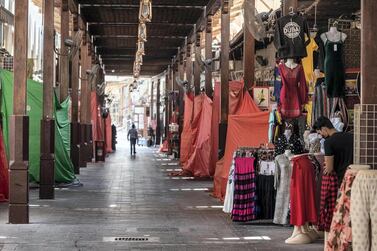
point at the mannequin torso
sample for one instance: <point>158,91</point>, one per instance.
<point>290,63</point>
<point>333,35</point>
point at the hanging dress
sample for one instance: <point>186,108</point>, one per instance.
<point>294,91</point>
<point>334,68</point>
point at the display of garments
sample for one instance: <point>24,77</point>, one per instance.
<point>283,174</point>
<point>319,55</point>
<point>294,144</point>
<point>294,91</point>
<point>244,201</point>
<point>228,200</point>
<point>266,197</point>
<point>321,105</point>
<point>309,113</point>
<point>271,124</point>
<point>329,191</point>
<point>364,211</point>
<point>338,124</point>
<point>307,62</point>
<point>289,38</point>
<point>334,68</point>
<point>340,235</point>
<point>267,167</point>
<point>302,192</point>
<point>338,108</point>
<point>314,143</point>
<point>277,84</point>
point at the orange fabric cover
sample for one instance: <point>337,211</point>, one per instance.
<point>247,128</point>
<point>215,128</point>
<point>4,180</point>
<point>235,96</point>
<point>96,118</point>
<point>164,147</point>
<point>186,139</point>
<point>109,135</point>
<point>199,161</point>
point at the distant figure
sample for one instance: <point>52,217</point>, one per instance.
<point>133,137</point>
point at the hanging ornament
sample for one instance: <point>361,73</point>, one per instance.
<point>145,13</point>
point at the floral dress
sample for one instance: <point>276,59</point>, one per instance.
<point>340,235</point>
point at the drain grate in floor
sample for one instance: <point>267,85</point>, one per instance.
<point>130,239</point>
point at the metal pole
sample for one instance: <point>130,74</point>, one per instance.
<point>47,164</point>
<point>19,122</point>
<point>83,103</point>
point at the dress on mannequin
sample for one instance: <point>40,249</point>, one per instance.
<point>293,143</point>
<point>283,174</point>
<point>334,67</point>
<point>228,200</point>
<point>294,91</point>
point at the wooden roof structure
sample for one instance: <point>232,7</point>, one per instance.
<point>113,25</point>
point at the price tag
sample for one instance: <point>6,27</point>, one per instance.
<point>335,47</point>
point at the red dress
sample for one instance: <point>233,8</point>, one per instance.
<point>294,92</point>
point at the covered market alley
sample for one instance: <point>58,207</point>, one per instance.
<point>223,98</point>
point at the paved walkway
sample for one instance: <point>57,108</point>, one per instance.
<point>136,198</point>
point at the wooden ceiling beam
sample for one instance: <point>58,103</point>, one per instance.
<point>136,23</point>
<point>137,6</point>
<point>135,36</point>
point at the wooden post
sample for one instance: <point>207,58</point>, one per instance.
<point>224,60</point>
<point>248,53</point>
<point>158,120</point>
<point>167,103</point>
<point>89,131</point>
<point>64,60</point>
<point>197,71</point>
<point>75,126</point>
<point>19,122</point>
<point>368,52</point>
<point>47,169</point>
<point>84,102</point>
<point>208,55</point>
<point>189,65</point>
<point>152,100</point>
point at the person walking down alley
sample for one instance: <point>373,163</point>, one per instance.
<point>133,137</point>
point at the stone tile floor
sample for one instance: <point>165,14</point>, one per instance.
<point>127,197</point>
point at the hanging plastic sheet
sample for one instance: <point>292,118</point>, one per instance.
<point>186,137</point>
<point>199,161</point>
<point>246,129</point>
<point>64,172</point>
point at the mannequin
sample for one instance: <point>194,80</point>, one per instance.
<point>333,35</point>
<point>290,63</point>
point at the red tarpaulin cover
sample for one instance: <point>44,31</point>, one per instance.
<point>109,135</point>
<point>4,193</point>
<point>199,161</point>
<point>164,147</point>
<point>96,118</point>
<point>249,128</point>
<point>186,137</point>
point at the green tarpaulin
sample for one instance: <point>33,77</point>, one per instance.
<point>63,165</point>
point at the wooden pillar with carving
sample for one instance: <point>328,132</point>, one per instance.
<point>208,56</point>
<point>47,159</point>
<point>19,123</point>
